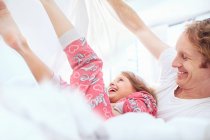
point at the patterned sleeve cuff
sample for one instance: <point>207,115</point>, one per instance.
<point>69,37</point>
<point>55,79</point>
<point>58,82</point>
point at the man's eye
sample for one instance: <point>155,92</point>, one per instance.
<point>184,57</point>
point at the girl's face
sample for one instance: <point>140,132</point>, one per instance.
<point>119,88</point>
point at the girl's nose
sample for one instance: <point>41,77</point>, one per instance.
<point>113,83</point>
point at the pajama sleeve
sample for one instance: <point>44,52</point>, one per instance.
<point>87,72</point>
<point>140,102</point>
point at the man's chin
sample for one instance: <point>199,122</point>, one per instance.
<point>180,84</point>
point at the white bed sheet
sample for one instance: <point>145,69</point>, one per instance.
<point>46,113</point>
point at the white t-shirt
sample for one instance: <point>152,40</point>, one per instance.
<point>170,106</point>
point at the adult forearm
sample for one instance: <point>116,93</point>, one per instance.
<point>135,24</point>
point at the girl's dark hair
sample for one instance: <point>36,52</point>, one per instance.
<point>138,83</point>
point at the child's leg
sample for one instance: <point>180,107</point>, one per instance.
<point>60,22</point>
<point>13,37</point>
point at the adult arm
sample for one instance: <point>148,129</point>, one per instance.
<point>135,24</point>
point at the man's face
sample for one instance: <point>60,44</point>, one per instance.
<point>188,62</point>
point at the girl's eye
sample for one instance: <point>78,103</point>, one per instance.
<point>120,79</point>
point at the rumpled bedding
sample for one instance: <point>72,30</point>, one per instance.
<point>47,113</point>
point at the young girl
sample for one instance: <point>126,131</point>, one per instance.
<point>128,93</point>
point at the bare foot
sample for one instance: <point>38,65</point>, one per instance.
<point>9,30</point>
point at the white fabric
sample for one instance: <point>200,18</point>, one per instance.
<point>46,113</point>
<point>105,32</point>
<point>145,127</point>
<point>170,106</point>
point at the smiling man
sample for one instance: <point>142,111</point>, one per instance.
<point>185,78</point>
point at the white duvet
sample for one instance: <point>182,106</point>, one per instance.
<point>46,113</point>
